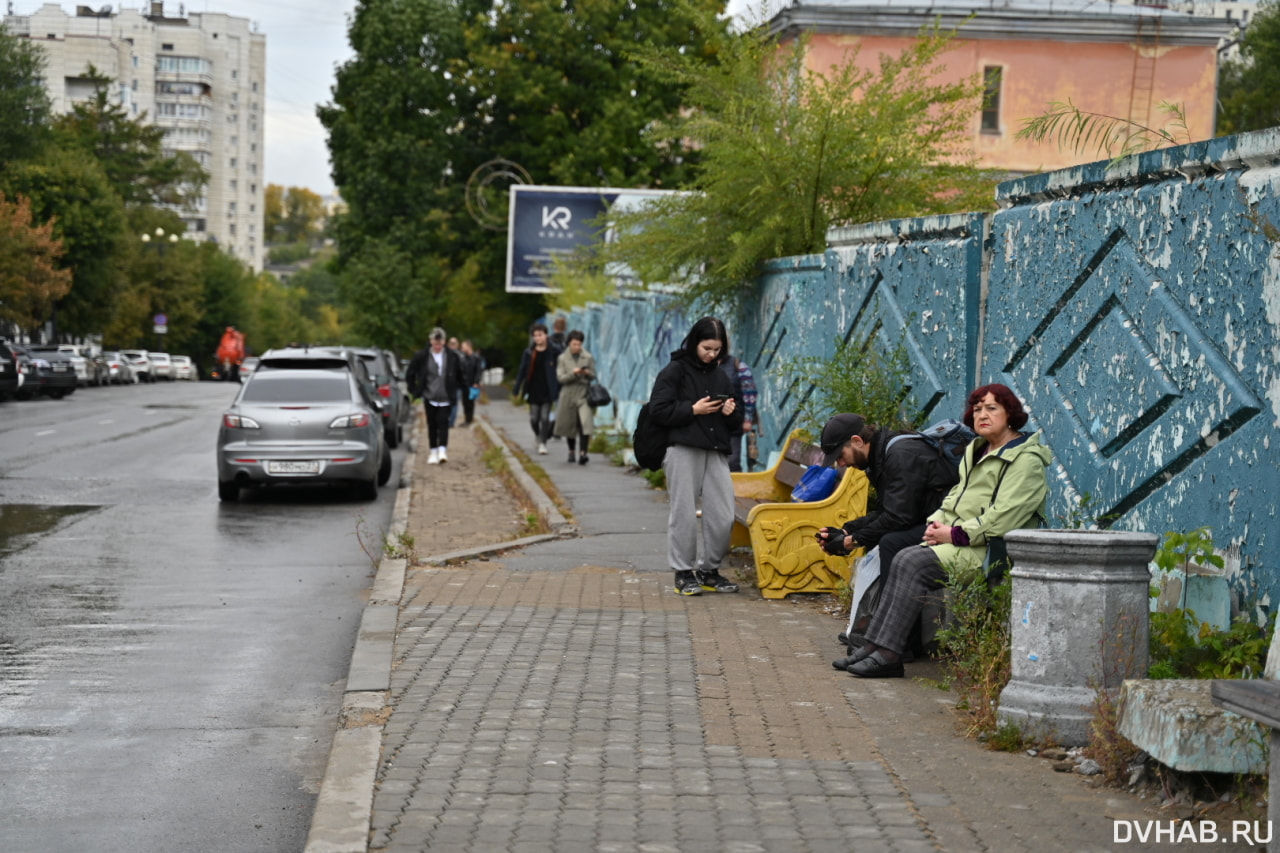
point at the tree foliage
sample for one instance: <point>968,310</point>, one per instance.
<point>30,277</point>
<point>24,104</point>
<point>293,215</point>
<point>439,88</point>
<point>1084,131</point>
<point>1249,84</point>
<point>788,151</point>
<point>130,152</point>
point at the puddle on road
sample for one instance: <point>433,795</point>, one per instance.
<point>20,522</point>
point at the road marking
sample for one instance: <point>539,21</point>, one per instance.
<point>46,432</point>
<point>107,421</point>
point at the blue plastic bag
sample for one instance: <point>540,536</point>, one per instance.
<point>816,484</point>
<point>473,393</point>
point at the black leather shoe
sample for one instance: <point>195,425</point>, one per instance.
<point>874,665</point>
<point>842,638</point>
<point>854,656</point>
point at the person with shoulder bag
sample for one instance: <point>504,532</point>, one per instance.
<point>575,419</point>
<point>694,401</point>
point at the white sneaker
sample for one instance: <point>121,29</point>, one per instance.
<point>542,449</point>
<point>433,457</point>
<point>444,454</point>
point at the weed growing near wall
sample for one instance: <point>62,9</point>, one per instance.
<point>975,646</point>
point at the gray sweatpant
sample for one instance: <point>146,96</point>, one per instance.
<point>692,474</point>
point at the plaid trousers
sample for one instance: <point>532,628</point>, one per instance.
<point>914,574</point>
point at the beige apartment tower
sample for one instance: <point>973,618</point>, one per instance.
<point>200,76</point>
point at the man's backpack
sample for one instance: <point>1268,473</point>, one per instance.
<point>649,442</point>
<point>949,438</point>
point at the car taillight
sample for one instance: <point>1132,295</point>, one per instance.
<point>352,421</point>
<point>384,391</point>
<point>239,422</point>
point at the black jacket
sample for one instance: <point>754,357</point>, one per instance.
<point>911,479</point>
<point>416,374</point>
<point>521,386</point>
<point>682,383</point>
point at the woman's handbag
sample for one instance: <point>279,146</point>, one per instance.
<point>598,395</point>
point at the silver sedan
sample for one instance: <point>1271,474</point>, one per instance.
<point>302,425</point>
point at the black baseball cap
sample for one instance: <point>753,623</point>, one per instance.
<point>837,431</point>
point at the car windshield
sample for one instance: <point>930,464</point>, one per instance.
<point>295,388</point>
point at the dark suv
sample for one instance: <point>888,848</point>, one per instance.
<point>10,378</point>
<point>384,379</point>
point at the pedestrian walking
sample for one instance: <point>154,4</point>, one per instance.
<point>694,400</point>
<point>536,382</point>
<point>469,391</point>
<point>434,374</point>
<point>575,420</point>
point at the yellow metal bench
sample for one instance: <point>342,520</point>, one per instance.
<point>781,532</point>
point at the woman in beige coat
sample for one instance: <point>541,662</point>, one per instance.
<point>575,370</point>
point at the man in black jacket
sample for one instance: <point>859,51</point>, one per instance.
<point>434,374</point>
<point>910,477</point>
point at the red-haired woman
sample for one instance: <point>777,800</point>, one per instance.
<point>1002,487</point>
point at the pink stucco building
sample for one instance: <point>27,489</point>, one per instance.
<point>1114,59</point>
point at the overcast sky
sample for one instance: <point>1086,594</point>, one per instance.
<point>306,41</point>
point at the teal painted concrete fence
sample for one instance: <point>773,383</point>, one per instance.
<point>1135,308</point>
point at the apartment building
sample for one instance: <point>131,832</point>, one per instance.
<point>200,76</point>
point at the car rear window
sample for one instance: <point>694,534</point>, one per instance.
<point>294,388</point>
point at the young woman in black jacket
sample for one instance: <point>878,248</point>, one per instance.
<point>694,399</point>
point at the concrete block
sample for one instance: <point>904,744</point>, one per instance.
<point>1176,722</point>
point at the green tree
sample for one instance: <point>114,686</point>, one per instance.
<point>303,215</point>
<point>439,88</point>
<point>1249,84</point>
<point>788,151</point>
<point>89,218</point>
<point>30,278</point>
<point>23,102</point>
<point>272,212</point>
<point>131,153</point>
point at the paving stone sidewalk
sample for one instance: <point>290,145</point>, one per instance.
<point>563,699</point>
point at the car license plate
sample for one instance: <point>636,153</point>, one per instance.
<point>59,368</point>
<point>281,467</point>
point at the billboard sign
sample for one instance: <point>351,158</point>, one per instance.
<point>549,222</point>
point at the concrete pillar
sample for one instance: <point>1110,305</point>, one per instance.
<point>1079,621</point>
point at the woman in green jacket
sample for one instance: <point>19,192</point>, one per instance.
<point>1002,487</point>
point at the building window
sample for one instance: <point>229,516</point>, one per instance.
<point>255,86</point>
<point>234,73</point>
<point>233,162</point>
<point>992,77</point>
<point>233,185</point>
<point>166,47</point>
<point>231,229</point>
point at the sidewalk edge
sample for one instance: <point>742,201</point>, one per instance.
<point>344,805</point>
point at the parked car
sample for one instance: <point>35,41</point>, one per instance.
<point>99,370</point>
<point>383,377</point>
<point>10,375</point>
<point>183,368</point>
<point>247,367</point>
<point>161,366</point>
<point>46,371</point>
<point>119,371</point>
<point>302,416</point>
<point>71,354</point>
<point>140,363</point>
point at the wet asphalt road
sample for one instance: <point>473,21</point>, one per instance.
<point>170,668</point>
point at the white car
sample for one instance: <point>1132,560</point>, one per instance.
<point>140,363</point>
<point>79,363</point>
<point>161,366</point>
<point>183,368</point>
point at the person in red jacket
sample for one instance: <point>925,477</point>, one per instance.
<point>230,354</point>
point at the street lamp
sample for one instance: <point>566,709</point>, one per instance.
<point>161,322</point>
